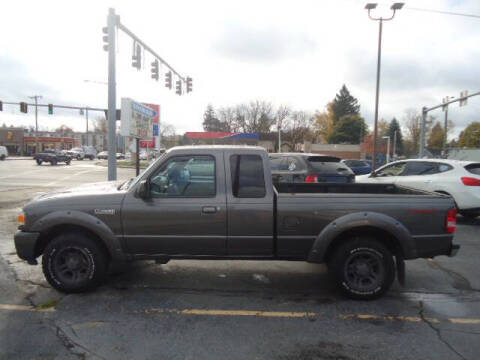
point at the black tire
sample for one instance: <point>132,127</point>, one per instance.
<point>2,157</point>
<point>53,162</point>
<point>74,263</point>
<point>363,268</point>
<point>68,162</point>
<point>39,162</point>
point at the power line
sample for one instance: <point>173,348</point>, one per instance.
<point>444,12</point>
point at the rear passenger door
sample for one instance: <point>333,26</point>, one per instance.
<point>249,204</point>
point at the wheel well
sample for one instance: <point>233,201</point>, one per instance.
<point>384,237</point>
<point>53,232</point>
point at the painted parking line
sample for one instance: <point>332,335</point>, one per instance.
<point>270,314</point>
<point>11,307</point>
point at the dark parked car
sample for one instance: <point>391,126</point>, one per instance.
<point>53,157</point>
<point>300,167</point>
<point>359,167</point>
<point>218,202</point>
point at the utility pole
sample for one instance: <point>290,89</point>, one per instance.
<point>279,137</point>
<point>36,97</point>
<point>112,97</point>
<point>395,144</point>
<point>86,119</point>
<point>445,100</point>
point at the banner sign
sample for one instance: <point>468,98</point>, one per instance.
<point>137,119</point>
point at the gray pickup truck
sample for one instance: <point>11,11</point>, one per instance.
<point>218,202</point>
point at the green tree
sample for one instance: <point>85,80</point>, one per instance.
<point>437,135</point>
<point>393,128</point>
<point>470,137</point>
<point>211,122</point>
<point>344,104</point>
<point>350,129</point>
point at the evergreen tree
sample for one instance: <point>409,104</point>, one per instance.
<point>392,128</point>
<point>344,104</point>
<point>210,121</point>
<point>350,129</point>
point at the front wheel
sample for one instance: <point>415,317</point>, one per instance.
<point>68,162</point>
<point>363,268</point>
<point>74,263</point>
<point>2,157</point>
<point>39,162</point>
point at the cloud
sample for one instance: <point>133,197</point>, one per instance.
<point>269,44</point>
<point>16,83</point>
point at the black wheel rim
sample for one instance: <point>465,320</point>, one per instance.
<point>72,265</point>
<point>364,271</point>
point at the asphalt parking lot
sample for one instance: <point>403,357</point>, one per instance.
<point>227,310</point>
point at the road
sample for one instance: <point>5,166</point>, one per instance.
<point>235,310</point>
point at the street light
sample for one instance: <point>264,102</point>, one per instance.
<point>446,100</point>
<point>388,147</point>
<point>369,7</point>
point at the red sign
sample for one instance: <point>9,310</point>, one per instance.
<point>156,120</point>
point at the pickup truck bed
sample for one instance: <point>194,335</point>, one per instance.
<point>218,202</point>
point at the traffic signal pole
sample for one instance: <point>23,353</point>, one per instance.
<point>425,112</point>
<point>112,97</point>
<point>36,97</point>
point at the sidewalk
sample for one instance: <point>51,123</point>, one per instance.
<point>19,158</point>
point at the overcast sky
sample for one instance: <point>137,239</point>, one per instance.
<point>288,52</point>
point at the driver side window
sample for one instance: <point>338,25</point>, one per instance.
<point>185,176</point>
<point>392,170</point>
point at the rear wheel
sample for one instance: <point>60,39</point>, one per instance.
<point>2,157</point>
<point>363,268</point>
<point>39,162</point>
<point>68,161</point>
<point>74,263</point>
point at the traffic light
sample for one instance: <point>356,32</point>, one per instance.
<point>23,107</point>
<point>168,80</point>
<point>50,109</point>
<point>105,38</point>
<point>137,57</point>
<point>1,106</point>
<point>155,69</point>
<point>189,84</point>
<point>178,87</point>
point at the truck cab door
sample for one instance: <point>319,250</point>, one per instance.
<point>250,204</point>
<point>185,212</point>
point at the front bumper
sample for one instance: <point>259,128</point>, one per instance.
<point>25,243</point>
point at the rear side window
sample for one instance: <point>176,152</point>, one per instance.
<point>473,168</point>
<point>247,176</point>
<point>278,163</point>
<point>356,163</point>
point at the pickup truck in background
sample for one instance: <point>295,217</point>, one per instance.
<point>218,202</point>
<point>53,157</point>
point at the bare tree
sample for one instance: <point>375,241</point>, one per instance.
<point>100,125</point>
<point>168,135</point>
<point>413,124</point>
<point>298,127</point>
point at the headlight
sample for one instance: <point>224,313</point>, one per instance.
<point>21,218</point>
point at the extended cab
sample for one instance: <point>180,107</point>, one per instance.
<point>218,202</point>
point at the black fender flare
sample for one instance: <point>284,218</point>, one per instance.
<point>357,220</point>
<point>82,219</point>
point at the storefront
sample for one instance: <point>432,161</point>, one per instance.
<point>48,142</point>
<point>12,139</point>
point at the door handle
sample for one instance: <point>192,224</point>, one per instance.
<point>209,209</point>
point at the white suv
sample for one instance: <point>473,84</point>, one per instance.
<point>3,153</point>
<point>459,179</point>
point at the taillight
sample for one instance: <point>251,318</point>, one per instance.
<point>311,179</point>
<point>451,222</point>
<point>468,181</point>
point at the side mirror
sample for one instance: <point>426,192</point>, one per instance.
<point>144,189</point>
